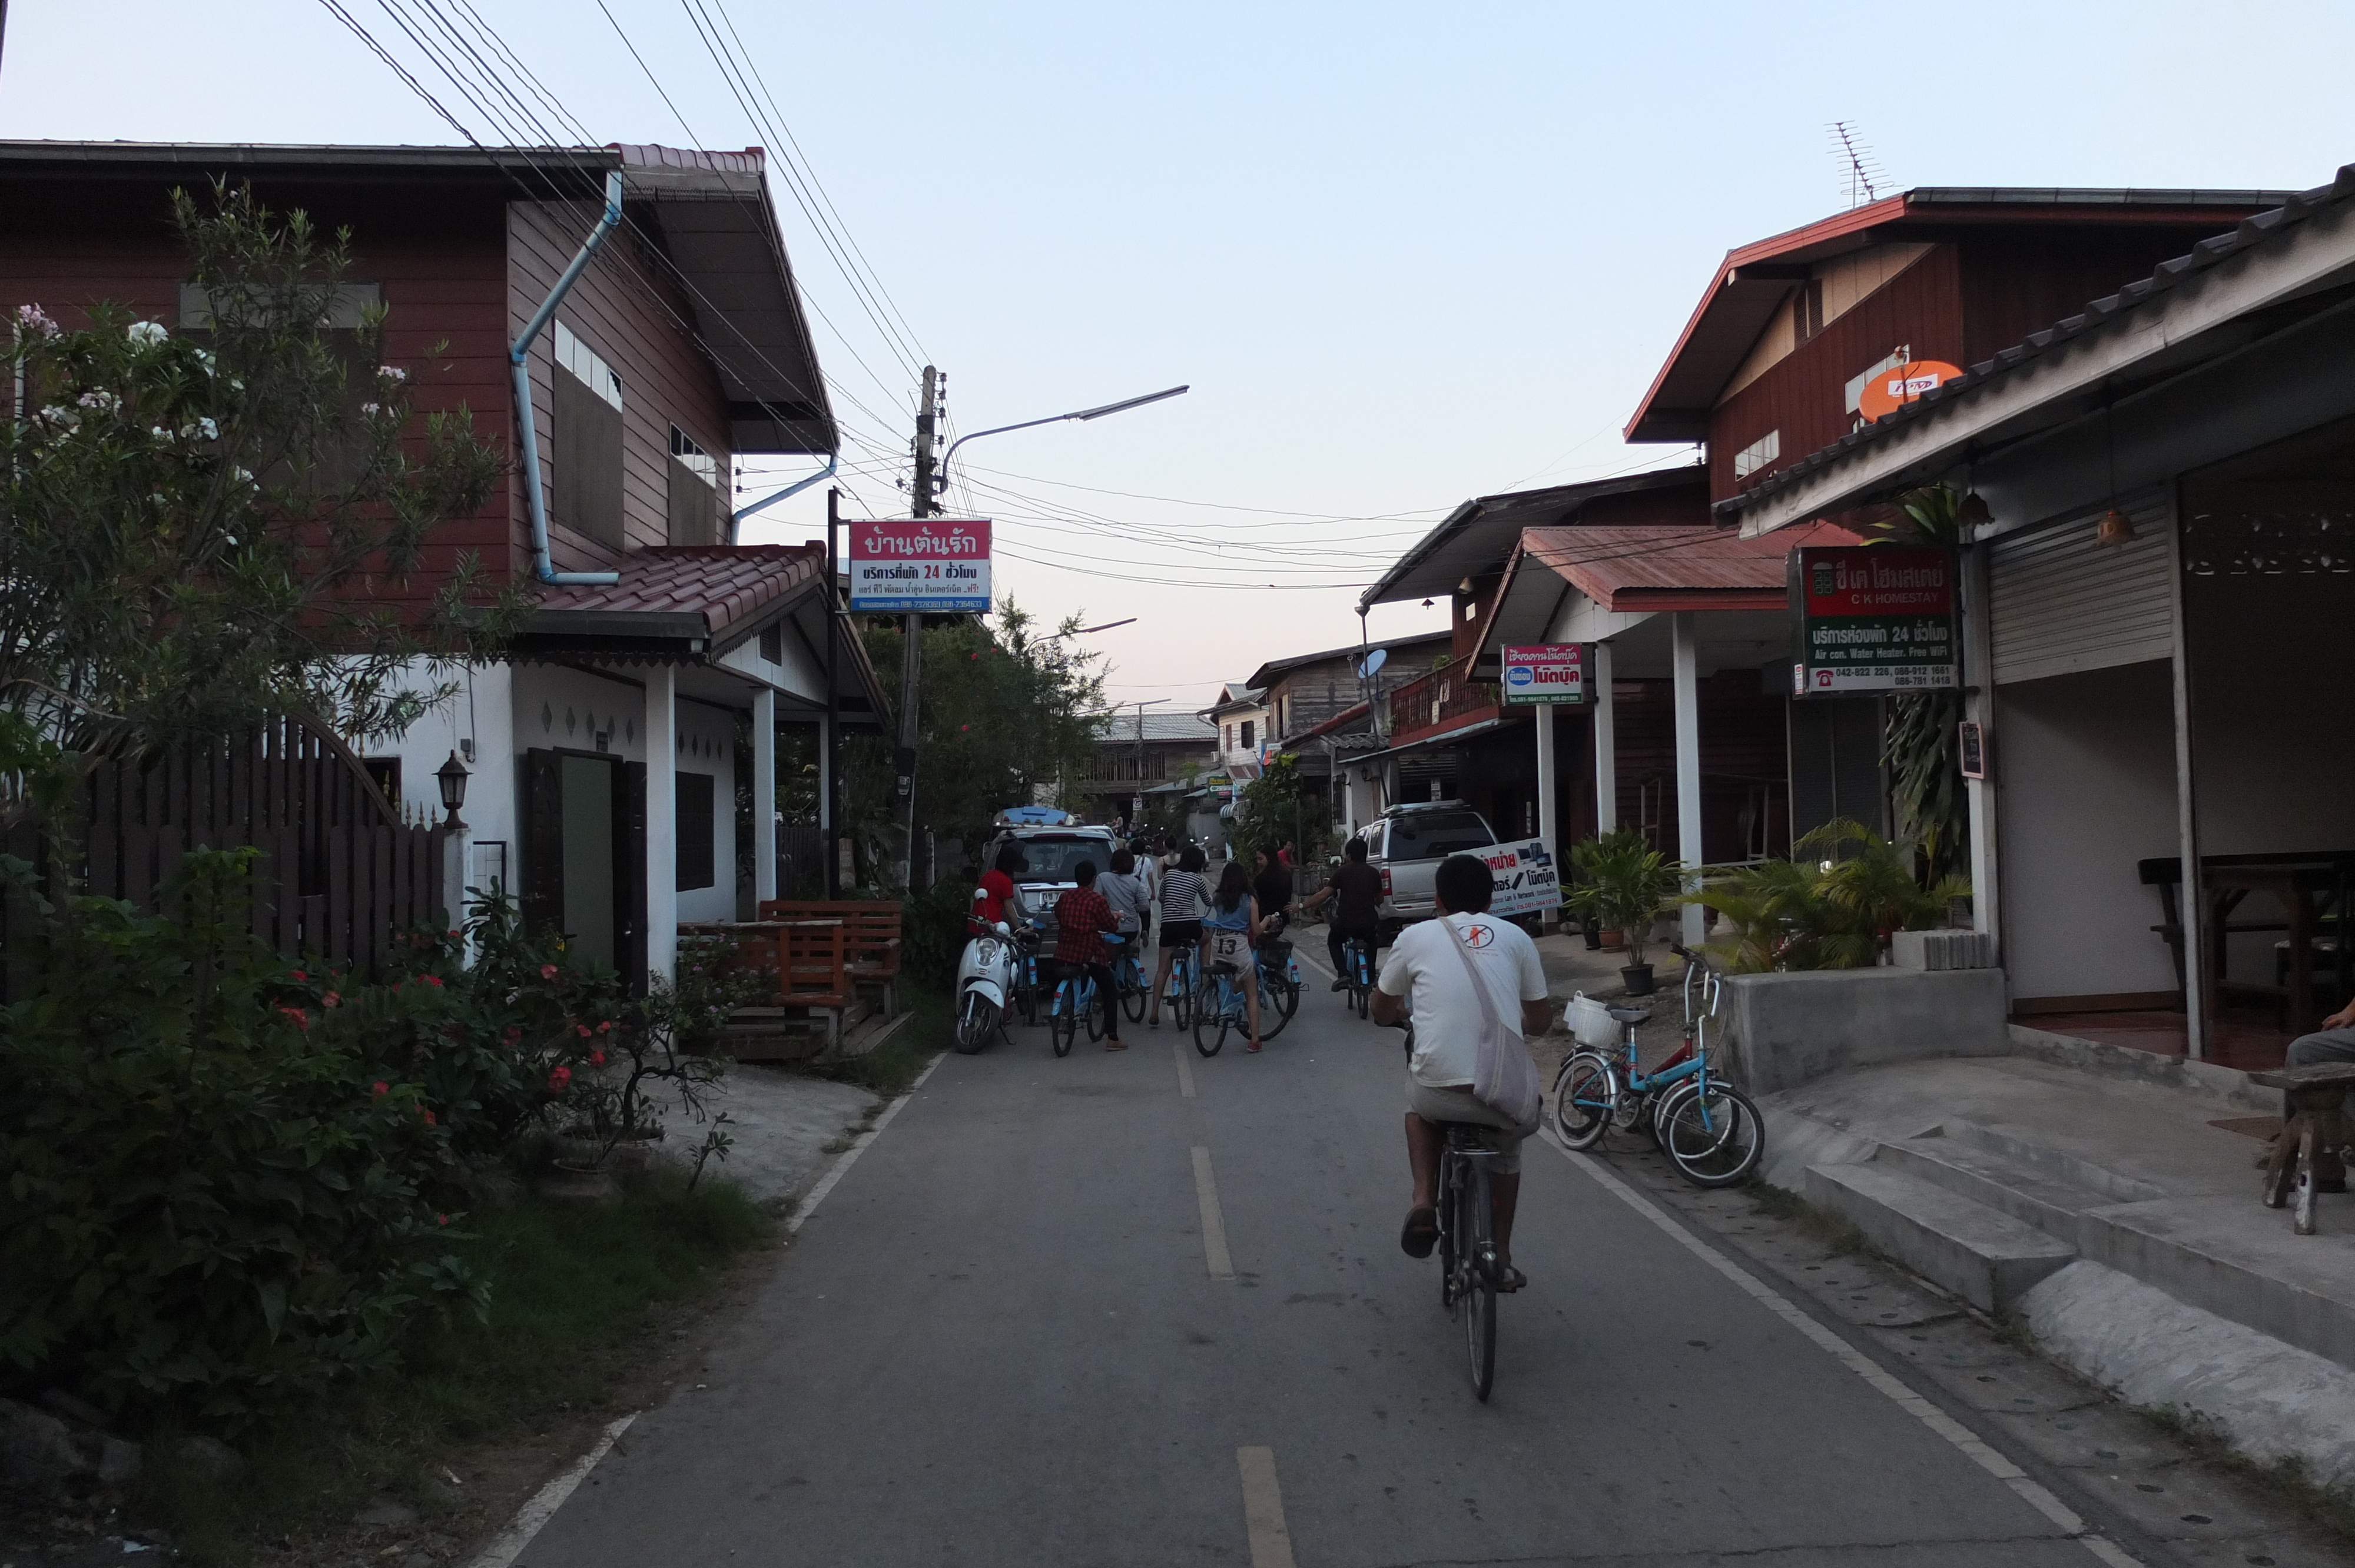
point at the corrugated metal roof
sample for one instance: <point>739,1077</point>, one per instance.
<point>1158,726</point>
<point>1675,568</point>
<point>1479,536</point>
<point>723,584</point>
<point>2100,313</point>
<point>1266,675</point>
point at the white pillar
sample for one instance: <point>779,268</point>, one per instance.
<point>764,794</point>
<point>1978,704</point>
<point>1547,811</point>
<point>662,819</point>
<point>1606,746</point>
<point>2194,905</point>
<point>1686,657</point>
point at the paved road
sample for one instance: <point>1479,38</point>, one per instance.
<point>999,1340</point>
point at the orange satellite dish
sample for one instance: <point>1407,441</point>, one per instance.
<point>1892,389</point>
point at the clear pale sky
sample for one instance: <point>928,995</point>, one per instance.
<point>1403,254</point>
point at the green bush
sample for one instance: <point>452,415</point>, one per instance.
<point>932,926</point>
<point>1832,906</point>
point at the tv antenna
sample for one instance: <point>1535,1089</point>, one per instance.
<point>1862,173</point>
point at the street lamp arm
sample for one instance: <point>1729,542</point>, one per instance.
<point>1097,413</point>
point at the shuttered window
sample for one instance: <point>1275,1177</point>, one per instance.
<point>2058,602</point>
<point>696,861</point>
<point>694,492</point>
<point>585,470</point>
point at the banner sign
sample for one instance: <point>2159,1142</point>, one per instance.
<point>1873,618</point>
<point>1525,879</point>
<point>1547,673</point>
<point>931,566</point>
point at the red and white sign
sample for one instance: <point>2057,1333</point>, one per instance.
<point>1545,672</point>
<point>927,566</point>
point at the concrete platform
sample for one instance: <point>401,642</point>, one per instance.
<point>1985,1257</point>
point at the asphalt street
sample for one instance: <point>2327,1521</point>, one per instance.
<point>1007,1336</point>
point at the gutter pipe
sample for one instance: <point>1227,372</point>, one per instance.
<point>736,518</point>
<point>519,365</point>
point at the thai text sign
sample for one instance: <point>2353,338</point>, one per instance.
<point>1873,618</point>
<point>929,565</point>
<point>1525,879</point>
<point>1547,673</point>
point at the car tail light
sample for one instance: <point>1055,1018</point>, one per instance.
<point>1385,881</point>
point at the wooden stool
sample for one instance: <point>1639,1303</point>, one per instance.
<point>2315,1129</point>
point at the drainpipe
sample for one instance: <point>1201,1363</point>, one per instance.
<point>518,362</point>
<point>736,518</point>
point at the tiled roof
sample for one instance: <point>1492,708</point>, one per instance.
<point>1659,568</point>
<point>725,584</point>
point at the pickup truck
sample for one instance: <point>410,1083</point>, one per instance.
<point>1406,847</point>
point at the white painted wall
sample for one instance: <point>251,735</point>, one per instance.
<point>2087,765</point>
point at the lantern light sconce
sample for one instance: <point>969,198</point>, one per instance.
<point>453,775</point>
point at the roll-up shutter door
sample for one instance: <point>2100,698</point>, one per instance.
<point>2058,602</point>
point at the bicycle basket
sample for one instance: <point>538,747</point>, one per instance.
<point>1275,952</point>
<point>1592,1022</point>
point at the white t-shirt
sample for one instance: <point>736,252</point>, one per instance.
<point>1446,1013</point>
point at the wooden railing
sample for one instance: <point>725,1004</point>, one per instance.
<point>1444,694</point>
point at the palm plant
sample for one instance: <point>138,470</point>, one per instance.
<point>1832,906</point>
<point>1626,881</point>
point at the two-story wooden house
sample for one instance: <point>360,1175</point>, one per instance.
<point>605,744</point>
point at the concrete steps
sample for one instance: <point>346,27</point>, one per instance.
<point>2039,1187</point>
<point>1981,1254</point>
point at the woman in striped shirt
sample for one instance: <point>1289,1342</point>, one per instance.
<point>1182,889</point>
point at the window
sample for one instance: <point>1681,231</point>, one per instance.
<point>694,492</point>
<point>1247,735</point>
<point>585,473</point>
<point>1758,454</point>
<point>1431,835</point>
<point>773,643</point>
<point>1226,737</point>
<point>695,808</point>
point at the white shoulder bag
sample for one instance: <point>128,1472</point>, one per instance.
<point>1503,1078</point>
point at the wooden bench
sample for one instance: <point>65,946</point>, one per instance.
<point>809,959</point>
<point>2306,1152</point>
<point>872,940</point>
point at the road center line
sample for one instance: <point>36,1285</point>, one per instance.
<point>2030,1490</point>
<point>1214,1226</point>
<point>1185,1068</point>
<point>1271,1542</point>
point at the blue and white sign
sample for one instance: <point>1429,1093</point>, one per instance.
<point>1547,673</point>
<point>1527,883</point>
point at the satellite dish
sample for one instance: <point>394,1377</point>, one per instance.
<point>1372,663</point>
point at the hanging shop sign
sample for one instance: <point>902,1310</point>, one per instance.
<point>1545,672</point>
<point>1873,618</point>
<point>1525,882</point>
<point>1889,390</point>
<point>931,566</point>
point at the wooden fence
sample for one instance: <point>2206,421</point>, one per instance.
<point>341,873</point>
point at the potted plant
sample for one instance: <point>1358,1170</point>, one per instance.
<point>1623,883</point>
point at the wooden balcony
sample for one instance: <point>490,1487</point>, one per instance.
<point>1443,696</point>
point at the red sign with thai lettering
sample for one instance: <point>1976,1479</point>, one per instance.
<point>1873,618</point>
<point>928,565</point>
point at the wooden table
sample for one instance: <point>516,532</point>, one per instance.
<point>2307,884</point>
<point>2306,1152</point>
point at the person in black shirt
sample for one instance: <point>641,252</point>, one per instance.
<point>1357,893</point>
<point>1270,884</point>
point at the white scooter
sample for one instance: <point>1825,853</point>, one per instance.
<point>984,984</point>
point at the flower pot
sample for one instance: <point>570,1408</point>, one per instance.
<point>1612,939</point>
<point>1593,934</point>
<point>1638,978</point>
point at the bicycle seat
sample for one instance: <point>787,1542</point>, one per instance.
<point>1477,1136</point>
<point>1631,1015</point>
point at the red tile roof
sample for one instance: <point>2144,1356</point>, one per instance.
<point>1660,568</point>
<point>725,584</point>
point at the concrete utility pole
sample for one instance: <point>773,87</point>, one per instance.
<point>911,629</point>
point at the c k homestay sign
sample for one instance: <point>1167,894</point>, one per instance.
<point>1873,618</point>
<point>929,565</point>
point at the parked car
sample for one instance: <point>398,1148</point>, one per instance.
<point>1052,852</point>
<point>1406,847</point>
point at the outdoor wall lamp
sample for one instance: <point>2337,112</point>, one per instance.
<point>1973,513</point>
<point>453,775</point>
<point>2115,528</point>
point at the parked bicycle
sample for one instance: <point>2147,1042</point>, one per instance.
<point>1074,1000</point>
<point>1709,1129</point>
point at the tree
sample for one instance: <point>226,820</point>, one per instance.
<point>1272,812</point>
<point>199,528</point>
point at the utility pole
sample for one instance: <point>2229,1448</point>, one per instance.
<point>912,630</point>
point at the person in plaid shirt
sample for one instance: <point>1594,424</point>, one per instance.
<point>1081,919</point>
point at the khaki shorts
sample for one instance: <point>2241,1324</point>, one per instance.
<point>1456,1103</point>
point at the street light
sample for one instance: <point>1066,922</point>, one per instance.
<point>1098,413</point>
<point>1083,630</point>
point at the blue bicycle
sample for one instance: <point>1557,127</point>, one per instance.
<point>1218,1007</point>
<point>1709,1129</point>
<point>1074,999</point>
<point>1185,986</point>
<point>1358,973</point>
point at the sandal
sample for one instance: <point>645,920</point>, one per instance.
<point>1253,1045</point>
<point>1420,1233</point>
<point>1509,1279</point>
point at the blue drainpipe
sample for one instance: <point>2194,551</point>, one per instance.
<point>518,364</point>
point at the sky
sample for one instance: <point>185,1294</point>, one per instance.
<point>1403,255</point>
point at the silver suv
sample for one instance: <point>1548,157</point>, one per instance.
<point>1052,853</point>
<point>1407,845</point>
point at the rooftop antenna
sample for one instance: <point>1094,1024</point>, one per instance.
<point>1862,173</point>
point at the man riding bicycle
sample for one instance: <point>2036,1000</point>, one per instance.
<point>1355,891</point>
<point>1423,975</point>
<point>1082,919</point>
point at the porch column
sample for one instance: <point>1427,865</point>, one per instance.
<point>1547,813</point>
<point>2196,1000</point>
<point>1606,746</point>
<point>1686,660</point>
<point>662,819</point>
<point>1978,704</point>
<point>764,794</point>
<point>826,805</point>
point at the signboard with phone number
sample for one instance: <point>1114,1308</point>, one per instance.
<point>1873,618</point>
<point>1545,672</point>
<point>931,566</point>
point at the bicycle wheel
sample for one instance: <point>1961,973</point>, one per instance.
<point>1131,991</point>
<point>974,1023</point>
<point>1451,1178</point>
<point>1181,997</point>
<point>1479,1290</point>
<point>1210,1021</point>
<point>1279,999</point>
<point>1715,1136</point>
<point>1063,1020</point>
<point>1585,1092</point>
<point>1092,1012</point>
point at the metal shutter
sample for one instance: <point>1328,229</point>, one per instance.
<point>2058,602</point>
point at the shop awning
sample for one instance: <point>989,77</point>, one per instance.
<point>1635,572</point>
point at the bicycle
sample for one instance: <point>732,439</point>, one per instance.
<point>1184,983</point>
<point>1468,1263</point>
<point>1075,998</point>
<point>1279,981</point>
<point>1128,974</point>
<point>1221,1004</point>
<point>1709,1129</point>
<point>1357,974</point>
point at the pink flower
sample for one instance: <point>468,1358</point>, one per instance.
<point>331,999</point>
<point>605,1026</point>
<point>428,1119</point>
<point>596,1058</point>
<point>441,1219</point>
<point>302,1020</point>
<point>514,1034</point>
<point>547,971</point>
<point>582,1030</point>
<point>559,1079</point>
<point>301,976</point>
<point>431,980</point>
<point>382,1089</point>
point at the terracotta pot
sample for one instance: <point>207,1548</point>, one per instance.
<point>1614,939</point>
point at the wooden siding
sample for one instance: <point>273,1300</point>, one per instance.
<point>2015,282</point>
<point>1801,395</point>
<point>439,258</point>
<point>631,312</point>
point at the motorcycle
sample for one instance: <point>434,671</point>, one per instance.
<point>984,984</point>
